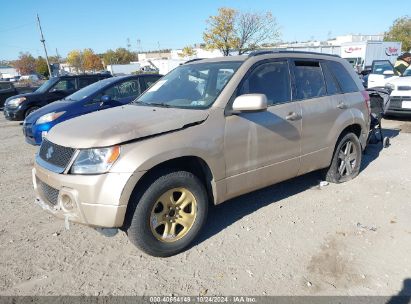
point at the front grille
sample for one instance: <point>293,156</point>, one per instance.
<point>49,193</point>
<point>396,101</point>
<point>54,154</point>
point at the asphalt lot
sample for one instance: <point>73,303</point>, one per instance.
<point>295,238</point>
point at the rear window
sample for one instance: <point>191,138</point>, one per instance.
<point>309,80</point>
<point>347,84</point>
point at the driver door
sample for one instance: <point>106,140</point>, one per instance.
<point>262,148</point>
<point>61,89</point>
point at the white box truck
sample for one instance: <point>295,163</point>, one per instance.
<point>362,54</point>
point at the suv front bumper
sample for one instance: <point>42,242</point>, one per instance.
<point>93,200</point>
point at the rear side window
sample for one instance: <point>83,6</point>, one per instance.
<point>85,81</point>
<point>330,81</point>
<point>309,80</point>
<point>347,84</point>
<point>271,79</point>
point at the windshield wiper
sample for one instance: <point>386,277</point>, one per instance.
<point>153,104</point>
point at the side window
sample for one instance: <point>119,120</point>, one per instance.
<point>5,86</point>
<point>148,81</point>
<point>129,88</point>
<point>271,79</point>
<point>85,81</point>
<point>379,67</point>
<point>347,84</point>
<point>309,80</point>
<point>65,85</point>
<point>331,83</point>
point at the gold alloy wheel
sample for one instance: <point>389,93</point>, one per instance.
<point>173,215</point>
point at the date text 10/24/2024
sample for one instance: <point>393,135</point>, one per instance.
<point>203,299</point>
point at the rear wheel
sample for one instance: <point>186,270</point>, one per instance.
<point>346,161</point>
<point>169,214</point>
<point>30,110</point>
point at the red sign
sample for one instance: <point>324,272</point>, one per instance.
<point>352,49</point>
<point>391,51</point>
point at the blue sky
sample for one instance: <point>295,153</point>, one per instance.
<point>104,24</point>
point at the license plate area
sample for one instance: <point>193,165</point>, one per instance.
<point>406,104</point>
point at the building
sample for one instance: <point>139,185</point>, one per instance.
<point>337,41</point>
<point>7,71</point>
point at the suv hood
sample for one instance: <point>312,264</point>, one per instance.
<point>121,124</point>
<point>404,80</point>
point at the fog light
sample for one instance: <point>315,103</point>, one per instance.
<point>43,134</point>
<point>66,202</point>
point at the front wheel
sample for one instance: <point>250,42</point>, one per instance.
<point>169,214</point>
<point>346,161</point>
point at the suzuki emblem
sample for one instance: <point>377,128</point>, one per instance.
<point>49,152</point>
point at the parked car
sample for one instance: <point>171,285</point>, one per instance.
<point>382,71</point>
<point>7,90</point>
<point>20,106</point>
<point>104,94</point>
<point>153,166</point>
<point>32,77</point>
<point>400,97</point>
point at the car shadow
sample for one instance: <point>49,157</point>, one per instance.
<point>374,148</point>
<point>404,296</point>
<point>224,215</point>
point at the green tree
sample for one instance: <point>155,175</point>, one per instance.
<point>400,31</point>
<point>187,51</point>
<point>91,61</point>
<point>41,66</point>
<point>119,56</point>
<point>231,30</point>
<point>74,58</point>
<point>25,64</point>
<point>220,32</point>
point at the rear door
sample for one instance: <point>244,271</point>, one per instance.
<point>319,95</point>
<point>381,72</point>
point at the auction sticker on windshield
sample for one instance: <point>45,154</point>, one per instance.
<point>406,104</point>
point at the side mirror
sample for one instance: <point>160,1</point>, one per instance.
<point>250,103</point>
<point>105,99</point>
<point>388,73</point>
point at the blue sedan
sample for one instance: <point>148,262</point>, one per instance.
<point>104,94</point>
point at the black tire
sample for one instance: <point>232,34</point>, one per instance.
<point>338,171</point>
<point>139,226</point>
<point>30,110</point>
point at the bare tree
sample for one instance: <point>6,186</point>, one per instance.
<point>255,29</point>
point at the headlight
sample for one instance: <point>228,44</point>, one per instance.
<point>15,102</point>
<point>390,86</point>
<point>49,117</point>
<point>95,161</point>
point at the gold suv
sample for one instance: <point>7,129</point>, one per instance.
<point>208,131</point>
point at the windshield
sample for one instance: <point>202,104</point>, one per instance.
<point>89,90</point>
<point>47,85</point>
<point>194,86</point>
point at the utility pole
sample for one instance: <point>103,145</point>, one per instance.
<point>44,45</point>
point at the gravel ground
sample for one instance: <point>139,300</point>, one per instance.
<point>295,238</point>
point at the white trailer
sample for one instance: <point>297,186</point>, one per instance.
<point>362,54</point>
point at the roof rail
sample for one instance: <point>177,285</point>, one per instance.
<point>279,51</point>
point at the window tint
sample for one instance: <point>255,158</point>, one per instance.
<point>65,85</point>
<point>332,85</point>
<point>148,81</point>
<point>129,88</point>
<point>271,79</point>
<point>379,67</point>
<point>309,80</point>
<point>347,84</point>
<point>83,82</point>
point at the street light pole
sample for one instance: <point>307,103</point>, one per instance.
<point>44,45</point>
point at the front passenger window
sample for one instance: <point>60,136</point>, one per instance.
<point>271,79</point>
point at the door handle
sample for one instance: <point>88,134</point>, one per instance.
<point>292,116</point>
<point>342,105</point>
